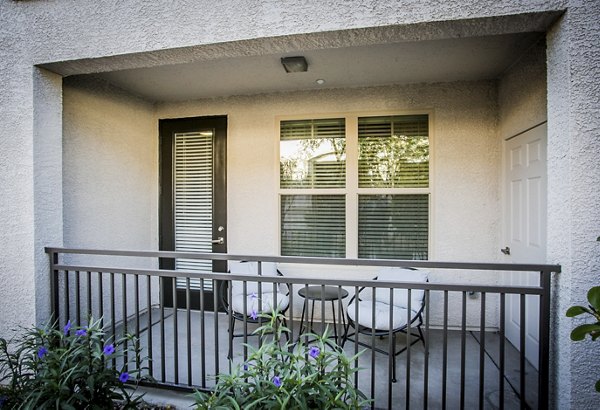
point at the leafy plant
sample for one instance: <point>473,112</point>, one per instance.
<point>592,329</point>
<point>287,376</point>
<point>69,368</point>
<point>14,374</point>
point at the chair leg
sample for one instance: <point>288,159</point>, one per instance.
<point>345,337</point>
<point>422,336</point>
<point>335,333</point>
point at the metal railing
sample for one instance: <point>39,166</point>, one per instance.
<point>464,359</point>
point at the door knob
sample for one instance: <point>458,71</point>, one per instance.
<point>219,241</point>
<point>505,251</point>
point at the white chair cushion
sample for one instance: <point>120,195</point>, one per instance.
<point>382,315</point>
<point>400,295</point>
<point>253,303</point>
<point>251,269</point>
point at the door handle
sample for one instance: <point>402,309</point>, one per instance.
<point>219,241</point>
<point>505,251</point>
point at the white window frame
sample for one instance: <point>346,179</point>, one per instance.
<point>352,190</point>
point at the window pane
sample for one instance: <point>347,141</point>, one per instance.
<point>193,158</point>
<point>313,153</point>
<point>393,226</point>
<point>313,225</point>
<point>393,152</point>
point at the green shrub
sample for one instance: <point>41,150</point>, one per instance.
<point>287,376</point>
<point>592,329</point>
<point>68,368</point>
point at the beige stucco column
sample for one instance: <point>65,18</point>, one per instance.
<point>574,194</point>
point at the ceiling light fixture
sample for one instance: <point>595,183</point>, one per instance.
<point>294,64</point>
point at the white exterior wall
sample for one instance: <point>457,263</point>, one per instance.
<point>34,32</point>
<point>110,174</point>
<point>110,168</point>
<point>465,212</point>
<point>465,197</point>
<point>522,93</point>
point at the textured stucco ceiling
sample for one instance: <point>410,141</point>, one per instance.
<point>445,60</point>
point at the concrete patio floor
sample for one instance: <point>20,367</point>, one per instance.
<point>213,351</point>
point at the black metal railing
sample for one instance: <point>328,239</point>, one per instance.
<point>463,359</point>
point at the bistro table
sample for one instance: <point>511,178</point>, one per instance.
<point>324,294</point>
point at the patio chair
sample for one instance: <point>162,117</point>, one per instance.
<point>259,299</point>
<point>398,308</point>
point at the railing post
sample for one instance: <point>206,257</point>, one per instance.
<point>544,338</point>
<point>54,302</point>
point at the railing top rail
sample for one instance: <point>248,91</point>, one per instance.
<point>314,260</point>
<point>301,280</point>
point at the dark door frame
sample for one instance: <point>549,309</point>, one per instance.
<point>167,129</point>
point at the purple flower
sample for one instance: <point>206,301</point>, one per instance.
<point>253,295</point>
<point>245,366</point>
<point>81,332</point>
<point>109,349</point>
<point>67,327</point>
<point>42,351</point>
<point>314,352</point>
<point>253,314</point>
<point>124,377</point>
<point>277,381</point>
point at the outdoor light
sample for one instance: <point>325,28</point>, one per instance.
<point>320,81</point>
<point>294,64</point>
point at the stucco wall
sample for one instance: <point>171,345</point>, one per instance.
<point>110,174</point>
<point>47,171</point>
<point>110,168</point>
<point>573,194</point>
<point>464,192</point>
<point>522,93</point>
<point>465,165</point>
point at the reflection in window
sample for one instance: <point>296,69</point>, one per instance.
<point>393,152</point>
<point>313,153</point>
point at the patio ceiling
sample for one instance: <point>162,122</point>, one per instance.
<point>437,51</point>
<point>474,58</point>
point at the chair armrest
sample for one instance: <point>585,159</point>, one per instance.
<point>286,285</point>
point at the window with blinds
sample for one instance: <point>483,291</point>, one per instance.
<point>386,202</point>
<point>193,157</point>
<point>393,226</point>
<point>393,151</point>
<point>313,153</point>
<point>313,225</point>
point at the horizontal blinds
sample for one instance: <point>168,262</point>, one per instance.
<point>313,225</point>
<point>393,226</point>
<point>393,151</point>
<point>193,201</point>
<point>310,129</point>
<point>313,153</point>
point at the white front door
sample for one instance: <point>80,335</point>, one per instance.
<point>525,219</point>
